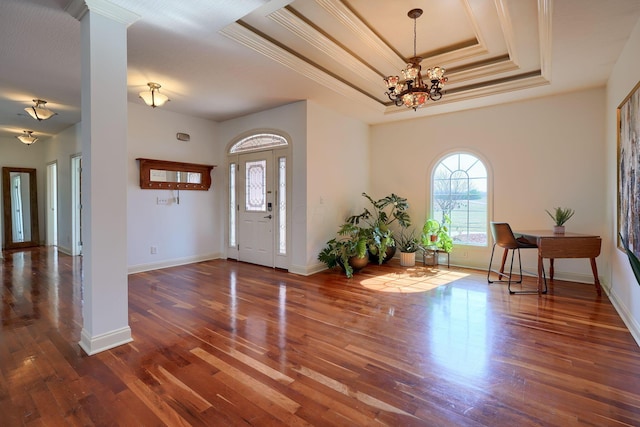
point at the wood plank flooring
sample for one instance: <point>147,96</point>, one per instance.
<point>223,343</point>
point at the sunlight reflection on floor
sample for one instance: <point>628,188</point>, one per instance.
<point>413,279</point>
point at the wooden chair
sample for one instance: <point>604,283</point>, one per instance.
<point>504,238</point>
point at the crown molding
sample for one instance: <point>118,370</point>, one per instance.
<point>79,8</point>
<point>324,44</point>
<point>250,39</point>
<point>545,10</point>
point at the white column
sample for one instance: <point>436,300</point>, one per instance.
<point>104,174</point>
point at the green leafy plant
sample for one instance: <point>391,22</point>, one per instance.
<point>560,216</point>
<point>351,242</point>
<point>633,259</point>
<point>436,234</point>
<point>408,242</point>
<point>385,212</point>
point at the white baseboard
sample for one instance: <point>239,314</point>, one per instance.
<point>624,314</point>
<point>172,263</point>
<point>307,270</point>
<point>64,250</point>
<point>92,345</point>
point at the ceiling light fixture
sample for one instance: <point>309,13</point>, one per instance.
<point>40,111</point>
<point>27,137</point>
<point>153,98</point>
<point>413,92</point>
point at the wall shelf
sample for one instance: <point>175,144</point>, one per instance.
<point>168,175</point>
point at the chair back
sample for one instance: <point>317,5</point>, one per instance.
<point>503,235</point>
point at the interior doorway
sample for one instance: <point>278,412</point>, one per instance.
<point>52,204</point>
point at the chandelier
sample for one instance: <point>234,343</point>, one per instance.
<point>153,98</point>
<point>413,92</point>
<point>27,137</point>
<point>40,111</point>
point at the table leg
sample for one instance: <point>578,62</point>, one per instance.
<point>551,268</point>
<point>594,268</point>
<point>540,278</point>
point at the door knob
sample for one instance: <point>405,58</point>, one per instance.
<point>268,216</point>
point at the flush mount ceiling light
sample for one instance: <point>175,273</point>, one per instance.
<point>413,92</point>
<point>153,98</point>
<point>27,137</point>
<point>40,111</point>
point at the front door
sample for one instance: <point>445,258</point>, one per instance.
<point>256,215</point>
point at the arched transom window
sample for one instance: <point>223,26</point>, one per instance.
<point>260,141</point>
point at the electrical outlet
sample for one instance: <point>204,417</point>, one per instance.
<point>154,250</point>
<point>162,201</point>
<point>464,254</point>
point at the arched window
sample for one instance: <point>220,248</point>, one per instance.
<point>459,192</point>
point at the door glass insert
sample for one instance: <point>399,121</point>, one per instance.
<point>256,186</point>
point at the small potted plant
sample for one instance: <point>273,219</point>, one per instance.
<point>436,234</point>
<point>560,216</point>
<point>435,238</point>
<point>408,244</point>
<point>348,250</point>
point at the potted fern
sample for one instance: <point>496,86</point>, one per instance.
<point>560,216</point>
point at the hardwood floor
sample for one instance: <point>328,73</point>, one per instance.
<point>224,343</point>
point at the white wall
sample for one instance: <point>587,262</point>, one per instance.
<point>624,291</point>
<point>185,232</point>
<point>541,153</point>
<point>182,232</point>
<point>337,171</point>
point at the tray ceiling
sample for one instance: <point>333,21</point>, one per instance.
<point>229,58</point>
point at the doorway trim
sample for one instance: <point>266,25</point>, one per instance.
<point>52,204</point>
<point>76,204</point>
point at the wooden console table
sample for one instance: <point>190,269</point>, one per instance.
<point>567,245</point>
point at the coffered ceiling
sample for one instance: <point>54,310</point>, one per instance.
<point>228,58</point>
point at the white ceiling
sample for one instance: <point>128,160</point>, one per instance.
<point>220,59</point>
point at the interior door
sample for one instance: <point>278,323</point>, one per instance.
<point>256,208</point>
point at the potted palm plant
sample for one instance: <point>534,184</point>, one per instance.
<point>348,250</point>
<point>386,211</point>
<point>560,216</point>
